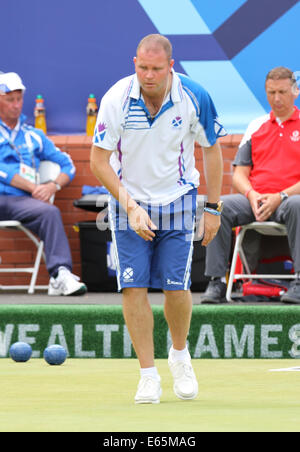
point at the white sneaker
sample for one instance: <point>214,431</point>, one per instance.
<point>66,284</point>
<point>149,390</point>
<point>185,382</point>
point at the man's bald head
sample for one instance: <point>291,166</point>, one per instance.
<point>156,42</point>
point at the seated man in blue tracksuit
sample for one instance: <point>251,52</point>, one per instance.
<point>22,198</point>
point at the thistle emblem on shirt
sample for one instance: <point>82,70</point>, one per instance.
<point>102,130</point>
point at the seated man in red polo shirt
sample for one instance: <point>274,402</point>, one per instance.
<point>267,177</point>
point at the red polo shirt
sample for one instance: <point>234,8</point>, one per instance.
<point>275,149</point>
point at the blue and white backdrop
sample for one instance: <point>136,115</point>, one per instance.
<point>67,49</point>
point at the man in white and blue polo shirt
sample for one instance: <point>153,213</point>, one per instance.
<point>143,152</point>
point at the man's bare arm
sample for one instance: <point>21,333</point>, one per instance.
<point>213,171</point>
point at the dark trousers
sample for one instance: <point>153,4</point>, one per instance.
<point>45,221</point>
<point>237,212</point>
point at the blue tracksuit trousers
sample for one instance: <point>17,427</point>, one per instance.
<point>45,221</point>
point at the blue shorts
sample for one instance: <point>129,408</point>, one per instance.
<point>164,263</point>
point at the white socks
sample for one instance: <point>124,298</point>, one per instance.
<point>174,355</point>
<point>150,372</point>
<point>179,355</point>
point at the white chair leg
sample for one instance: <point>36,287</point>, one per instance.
<point>36,267</point>
<point>236,250</point>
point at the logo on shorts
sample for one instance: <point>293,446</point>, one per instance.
<point>128,274</point>
<point>295,136</point>
<point>177,122</point>
<point>176,283</point>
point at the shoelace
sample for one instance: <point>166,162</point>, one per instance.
<point>182,370</point>
<point>60,281</point>
<point>146,383</point>
<point>68,273</point>
<point>216,283</point>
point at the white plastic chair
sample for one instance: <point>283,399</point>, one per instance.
<point>265,228</point>
<point>47,170</point>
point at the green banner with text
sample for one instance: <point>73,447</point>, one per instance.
<point>97,331</point>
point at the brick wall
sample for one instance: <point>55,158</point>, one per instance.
<point>16,250</point>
